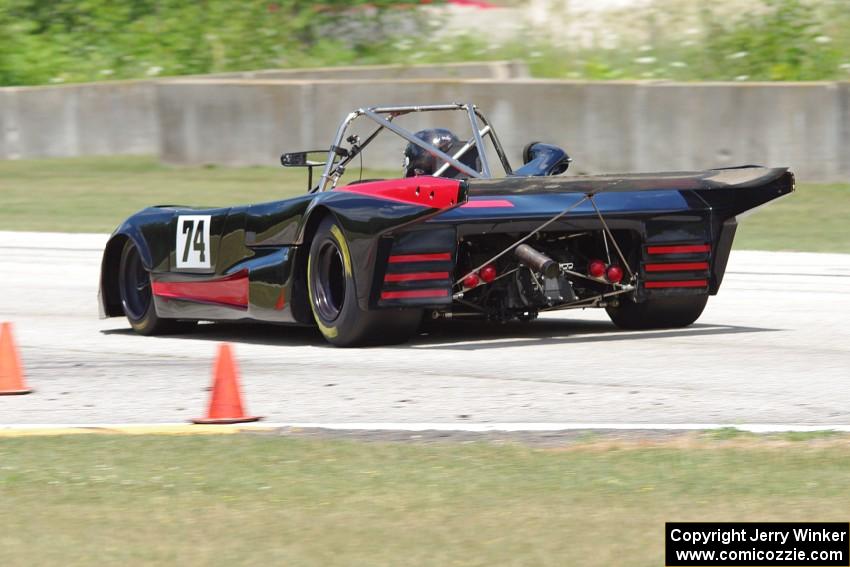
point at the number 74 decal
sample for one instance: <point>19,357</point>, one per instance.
<point>193,237</point>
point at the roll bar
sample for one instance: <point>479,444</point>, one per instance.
<point>383,116</point>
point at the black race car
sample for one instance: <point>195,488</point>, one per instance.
<point>365,260</point>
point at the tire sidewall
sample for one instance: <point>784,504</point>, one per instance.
<point>338,330</point>
<point>354,326</point>
<point>658,312</point>
<point>147,322</point>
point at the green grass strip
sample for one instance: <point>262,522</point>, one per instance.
<point>271,500</point>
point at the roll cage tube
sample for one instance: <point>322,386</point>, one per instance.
<point>339,157</point>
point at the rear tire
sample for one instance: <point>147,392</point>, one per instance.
<point>333,301</point>
<point>134,286</point>
<point>657,312</point>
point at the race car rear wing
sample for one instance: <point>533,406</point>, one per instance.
<point>732,190</point>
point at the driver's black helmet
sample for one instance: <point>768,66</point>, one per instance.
<point>418,161</point>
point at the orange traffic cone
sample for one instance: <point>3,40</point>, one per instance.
<point>226,401</point>
<point>11,374</point>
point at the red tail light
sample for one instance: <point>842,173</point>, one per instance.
<point>471,281</point>
<point>614,274</point>
<point>596,268</point>
<point>488,273</point>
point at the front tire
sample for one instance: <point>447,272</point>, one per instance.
<point>134,286</point>
<point>333,301</point>
<point>657,312</point>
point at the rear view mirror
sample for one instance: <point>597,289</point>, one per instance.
<point>310,158</point>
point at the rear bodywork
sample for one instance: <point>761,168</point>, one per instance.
<point>413,241</point>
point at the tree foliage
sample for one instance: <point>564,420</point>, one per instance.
<point>54,41</point>
<point>43,41</point>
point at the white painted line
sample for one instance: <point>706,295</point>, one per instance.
<point>456,426</point>
<point>517,427</point>
<point>53,240</point>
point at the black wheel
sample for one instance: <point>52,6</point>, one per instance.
<point>330,286</point>
<point>657,313</point>
<point>134,285</point>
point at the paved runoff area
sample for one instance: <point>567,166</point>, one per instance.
<point>772,348</point>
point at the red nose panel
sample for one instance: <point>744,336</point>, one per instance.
<point>433,192</point>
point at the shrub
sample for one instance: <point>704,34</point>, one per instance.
<point>48,41</point>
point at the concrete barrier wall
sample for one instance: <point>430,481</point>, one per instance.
<point>78,120</point>
<point>499,70</point>
<point>121,117</point>
<point>844,136</point>
<point>606,127</point>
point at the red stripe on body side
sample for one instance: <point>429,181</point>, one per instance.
<point>415,294</point>
<point>680,283</point>
<point>679,249</point>
<point>402,258</point>
<point>487,204</point>
<point>416,276</point>
<point>230,291</point>
<point>681,267</point>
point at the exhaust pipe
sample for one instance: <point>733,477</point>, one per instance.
<point>537,261</point>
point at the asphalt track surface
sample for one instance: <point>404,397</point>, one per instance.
<point>772,348</point>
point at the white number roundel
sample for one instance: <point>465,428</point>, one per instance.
<point>193,238</point>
